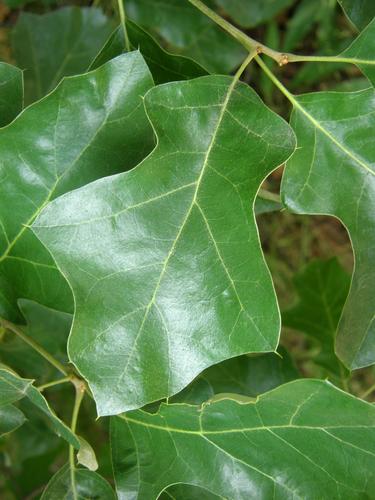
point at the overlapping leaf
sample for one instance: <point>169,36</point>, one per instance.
<point>11,93</point>
<point>50,329</point>
<point>332,172</point>
<point>176,281</point>
<point>91,126</point>
<point>188,32</point>
<point>60,43</point>
<point>13,388</point>
<point>164,66</point>
<point>297,441</point>
<point>246,375</point>
<point>322,288</point>
<point>10,419</point>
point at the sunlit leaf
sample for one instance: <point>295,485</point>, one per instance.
<point>297,441</point>
<point>92,125</point>
<point>332,172</point>
<point>176,281</point>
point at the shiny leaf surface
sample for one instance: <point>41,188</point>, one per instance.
<point>11,93</point>
<point>188,32</point>
<point>322,288</point>
<point>57,44</point>
<point>87,485</point>
<point>281,446</point>
<point>48,151</point>
<point>164,66</point>
<point>177,280</point>
<point>332,172</point>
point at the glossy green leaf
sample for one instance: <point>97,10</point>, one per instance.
<point>297,441</point>
<point>322,288</point>
<point>47,151</point>
<point>10,419</point>
<point>250,13</point>
<point>188,32</point>
<point>360,12</point>
<point>87,485</point>
<point>187,492</point>
<point>13,388</point>
<point>245,375</point>
<point>361,51</point>
<point>50,329</point>
<point>332,172</point>
<point>177,280</point>
<point>57,44</point>
<point>11,93</point>
<point>164,66</point>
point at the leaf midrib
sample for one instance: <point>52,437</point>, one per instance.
<point>183,224</point>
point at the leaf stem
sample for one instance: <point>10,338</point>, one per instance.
<point>80,392</point>
<point>250,44</point>
<point>277,82</point>
<point>267,195</point>
<point>368,392</point>
<point>121,10</point>
<point>53,383</point>
<point>37,347</point>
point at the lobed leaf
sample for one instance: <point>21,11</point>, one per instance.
<point>332,172</point>
<point>281,446</point>
<point>177,280</point>
<point>47,151</point>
